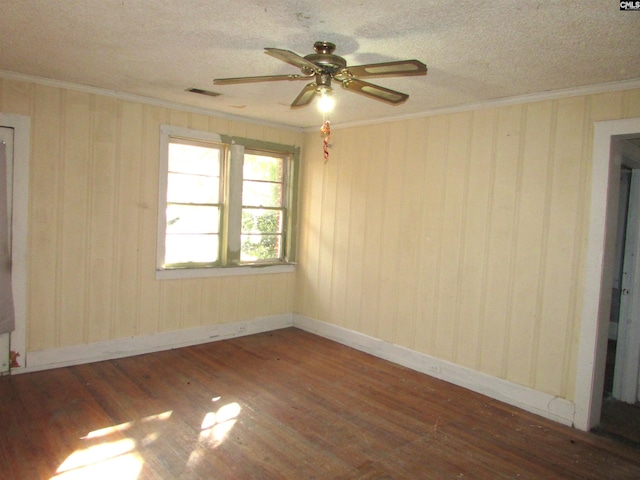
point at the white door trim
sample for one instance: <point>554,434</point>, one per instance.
<point>625,380</point>
<point>20,216</point>
<point>6,141</point>
<point>598,272</point>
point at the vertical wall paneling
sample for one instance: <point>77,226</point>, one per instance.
<point>342,158</point>
<point>564,203</point>
<point>102,204</point>
<point>282,290</point>
<point>211,293</point>
<point>478,181</point>
<point>393,233</point>
<point>579,253</point>
<point>630,103</point>
<point>130,170</point>
<point>16,97</point>
<point>410,213</point>
<point>497,289</point>
<point>375,189</point>
<point>545,247</point>
<point>198,122</point>
<point>526,281</point>
<point>357,150</point>
<point>93,203</point>
<point>461,236</point>
<point>191,300</point>
<point>326,227</point>
<point>246,297</point>
<point>229,299</point>
<point>448,289</point>
<point>431,200</point>
<point>44,292</point>
<point>311,185</point>
<point>262,303</point>
<point>74,210</point>
<point>149,289</point>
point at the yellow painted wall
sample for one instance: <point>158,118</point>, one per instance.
<point>462,236</point>
<point>93,221</point>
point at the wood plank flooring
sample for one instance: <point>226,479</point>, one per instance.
<point>279,405</point>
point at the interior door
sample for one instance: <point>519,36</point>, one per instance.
<point>6,138</point>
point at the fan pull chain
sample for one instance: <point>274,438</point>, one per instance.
<point>326,132</point>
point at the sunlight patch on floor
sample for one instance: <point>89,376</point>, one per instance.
<point>216,425</point>
<point>107,460</point>
<point>215,428</point>
<point>101,458</point>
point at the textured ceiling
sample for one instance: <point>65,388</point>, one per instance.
<point>475,51</point>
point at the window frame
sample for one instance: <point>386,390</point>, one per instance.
<point>231,174</point>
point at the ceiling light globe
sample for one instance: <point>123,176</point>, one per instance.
<point>326,102</point>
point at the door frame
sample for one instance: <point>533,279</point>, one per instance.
<point>625,380</point>
<point>21,125</point>
<point>598,271</point>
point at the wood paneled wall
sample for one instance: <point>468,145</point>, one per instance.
<point>462,236</point>
<point>93,222</point>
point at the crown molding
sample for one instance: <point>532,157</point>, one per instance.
<point>500,102</point>
<point>20,77</point>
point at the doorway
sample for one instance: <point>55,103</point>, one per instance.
<point>6,167</point>
<point>598,270</point>
<point>620,415</point>
<point>19,128</point>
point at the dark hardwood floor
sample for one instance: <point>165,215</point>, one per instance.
<point>279,405</point>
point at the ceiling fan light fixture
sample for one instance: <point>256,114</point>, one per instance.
<point>326,102</point>
<point>325,67</point>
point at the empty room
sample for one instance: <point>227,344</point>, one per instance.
<point>319,240</point>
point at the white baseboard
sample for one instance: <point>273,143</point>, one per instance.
<point>126,347</point>
<point>540,403</point>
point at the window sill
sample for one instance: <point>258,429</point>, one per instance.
<point>176,273</point>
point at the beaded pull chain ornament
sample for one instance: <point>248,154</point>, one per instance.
<point>326,132</point>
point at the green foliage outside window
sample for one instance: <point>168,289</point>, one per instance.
<point>261,227</point>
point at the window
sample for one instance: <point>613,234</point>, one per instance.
<point>225,205</point>
<point>263,209</point>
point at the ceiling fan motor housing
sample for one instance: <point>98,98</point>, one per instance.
<point>324,58</point>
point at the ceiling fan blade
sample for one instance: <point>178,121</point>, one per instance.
<point>374,91</point>
<point>266,78</point>
<point>305,96</point>
<point>292,58</point>
<point>401,68</point>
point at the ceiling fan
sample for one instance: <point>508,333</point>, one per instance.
<point>323,66</point>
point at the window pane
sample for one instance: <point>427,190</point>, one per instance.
<point>194,159</point>
<point>191,248</point>
<point>192,189</point>
<point>255,220</point>
<point>260,167</point>
<point>260,247</point>
<point>261,194</point>
<point>192,219</point>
